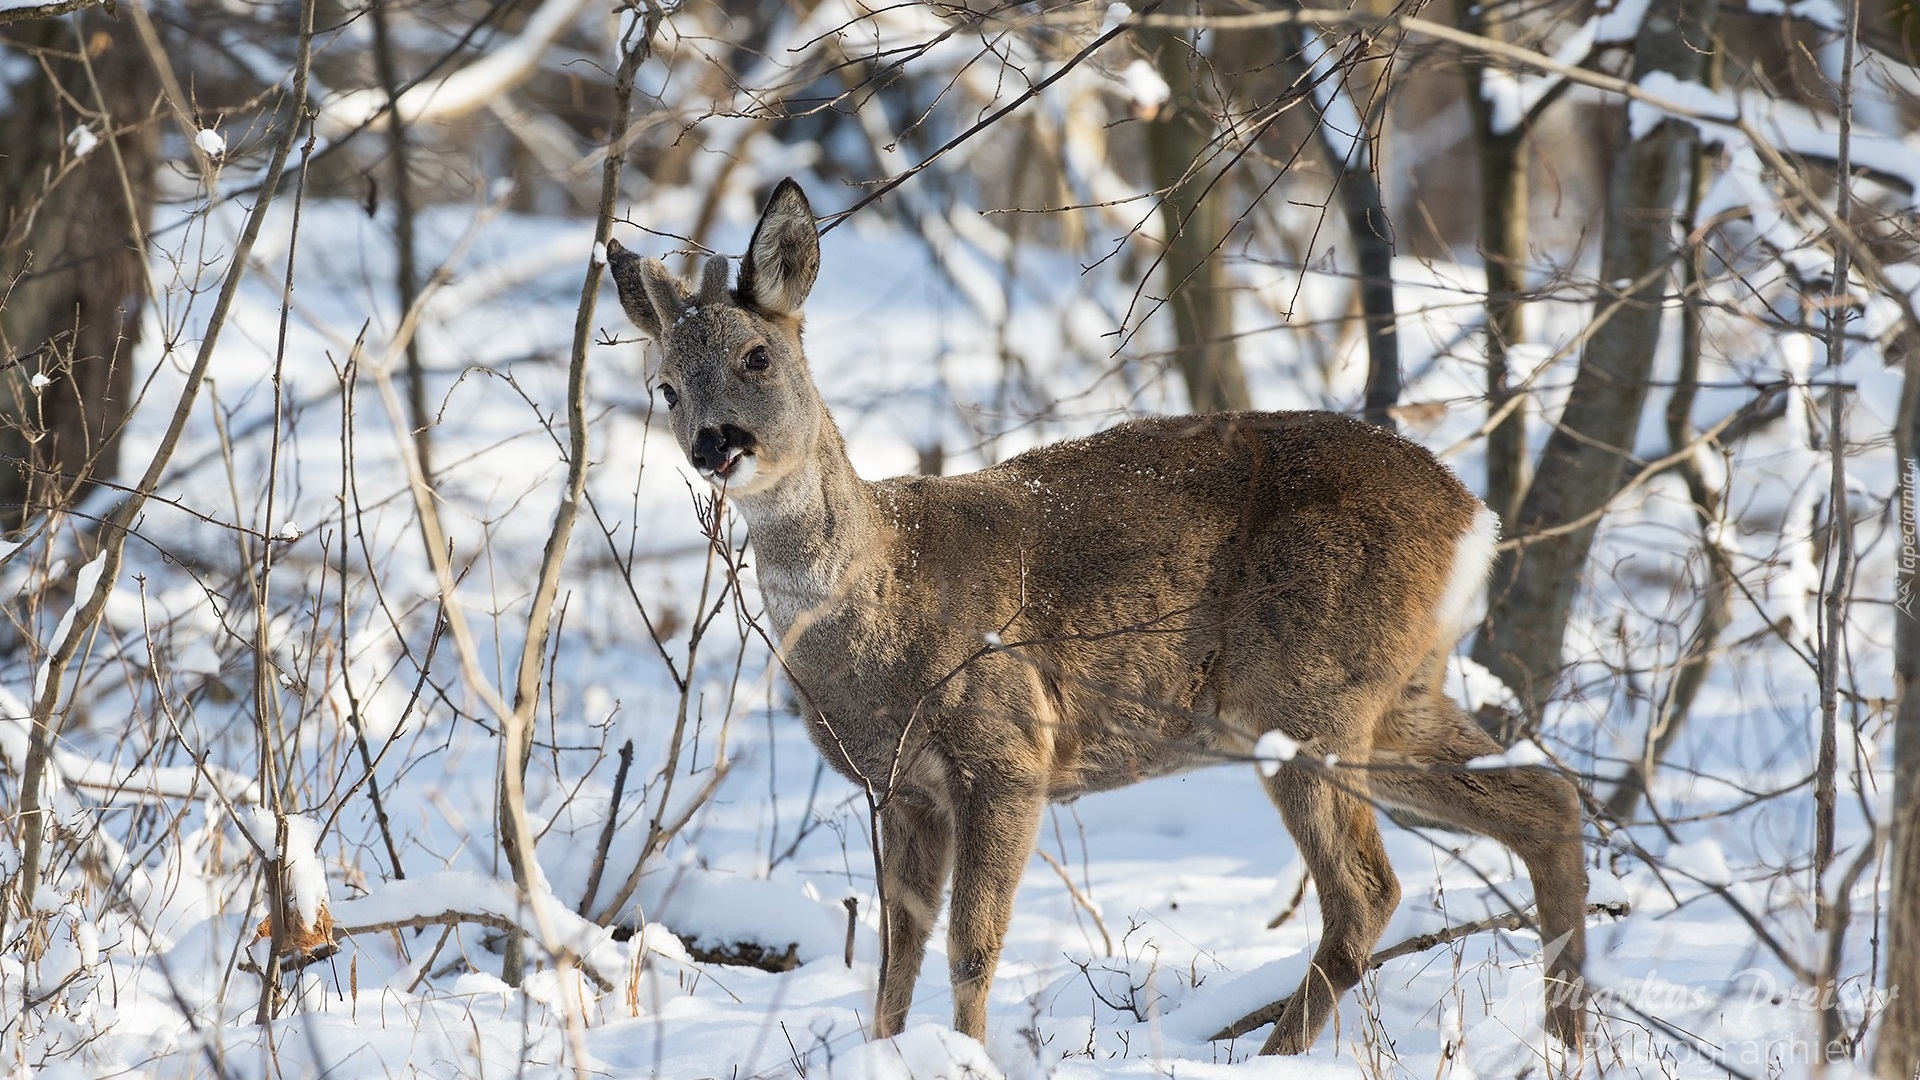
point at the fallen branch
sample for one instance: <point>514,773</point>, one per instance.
<point>456,897</point>
<point>1511,920</point>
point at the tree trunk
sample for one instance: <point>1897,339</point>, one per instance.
<point>1196,222</point>
<point>1897,1055</point>
<point>1372,236</point>
<point>1716,597</point>
<point>1534,584</point>
<point>73,248</point>
<point>1503,252</point>
<point>1341,131</point>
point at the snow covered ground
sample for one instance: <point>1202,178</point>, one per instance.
<point>1145,932</point>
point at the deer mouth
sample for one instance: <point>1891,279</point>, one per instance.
<point>738,467</point>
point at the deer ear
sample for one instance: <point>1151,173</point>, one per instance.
<point>713,282</point>
<point>648,290</point>
<point>784,258</point>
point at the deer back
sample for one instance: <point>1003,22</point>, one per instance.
<point>1114,606</point>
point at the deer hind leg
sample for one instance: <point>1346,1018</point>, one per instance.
<point>1333,824</point>
<point>916,844</point>
<point>996,819</point>
<point>1535,812</point>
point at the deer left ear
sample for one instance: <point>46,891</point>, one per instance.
<point>784,258</point>
<point>713,282</point>
<point>648,290</point>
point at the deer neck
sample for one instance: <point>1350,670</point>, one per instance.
<point>812,532</point>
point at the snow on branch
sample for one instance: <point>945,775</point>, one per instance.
<point>1824,14</point>
<point>144,781</point>
<point>1654,97</point>
<point>471,88</point>
<point>456,896</point>
<point>1512,97</point>
<point>12,11</point>
<point>1337,109</point>
<point>1783,125</point>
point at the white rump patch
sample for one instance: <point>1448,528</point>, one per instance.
<point>1472,560</point>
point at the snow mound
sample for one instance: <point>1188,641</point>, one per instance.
<point>1703,860</point>
<point>926,1052</point>
<point>722,909</point>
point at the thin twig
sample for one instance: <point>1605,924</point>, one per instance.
<point>607,829</point>
<point>1079,898</point>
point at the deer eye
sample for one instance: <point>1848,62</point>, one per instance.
<point>672,395</point>
<point>758,358</point>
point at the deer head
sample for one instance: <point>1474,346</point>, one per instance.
<point>730,365</point>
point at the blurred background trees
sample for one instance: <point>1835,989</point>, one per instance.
<point>77,188</point>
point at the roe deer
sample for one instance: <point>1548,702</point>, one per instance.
<point>1085,615</point>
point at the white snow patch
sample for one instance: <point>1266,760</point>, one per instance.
<point>260,827</point>
<point>1644,116</point>
<point>210,142</point>
<point>1703,860</point>
<point>1274,749</point>
<point>1471,684</point>
<point>1337,110</point>
<point>306,875</point>
<point>460,891</point>
<point>83,585</point>
<point>1520,755</point>
<point>39,381</point>
<point>81,140</point>
<point>1116,14</point>
<point>86,937</point>
<point>288,531</point>
<point>469,88</point>
<point>1147,90</point>
<point>1513,96</point>
<point>481,984</point>
<point>1621,24</point>
<point>1824,14</point>
<point>1605,889</point>
<point>599,253</point>
<point>919,1053</point>
<point>718,908</point>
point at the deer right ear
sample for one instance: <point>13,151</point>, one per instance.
<point>784,258</point>
<point>648,290</point>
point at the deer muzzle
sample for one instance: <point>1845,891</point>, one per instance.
<point>717,451</point>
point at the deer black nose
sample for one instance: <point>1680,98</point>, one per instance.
<point>714,445</point>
